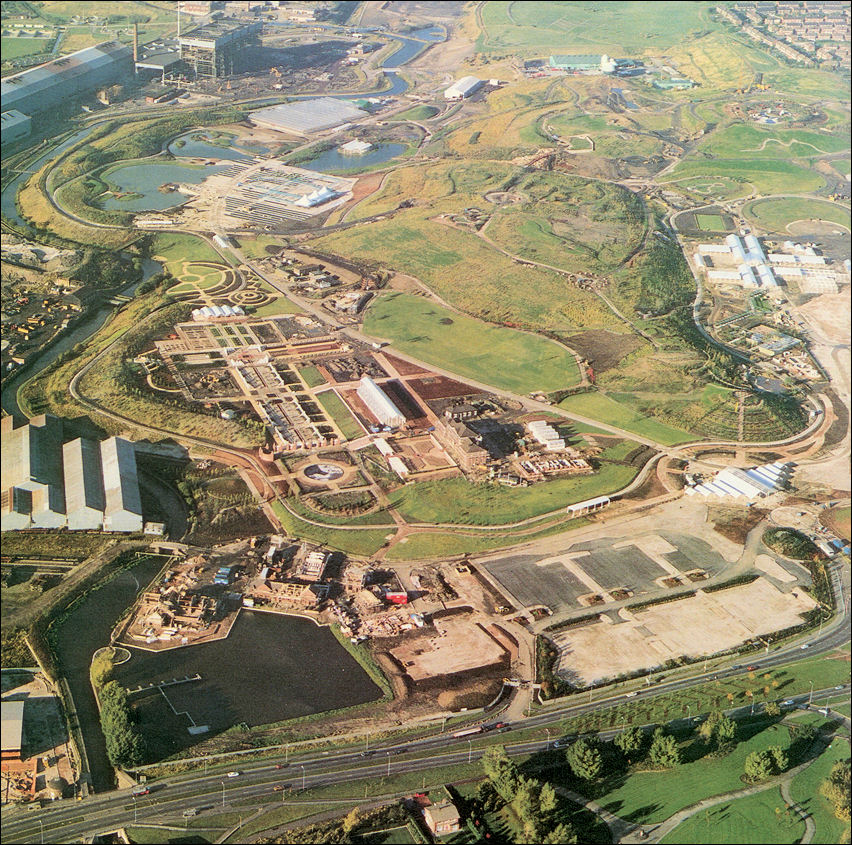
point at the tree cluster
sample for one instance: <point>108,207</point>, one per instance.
<point>760,765</point>
<point>533,802</point>
<point>719,731</point>
<point>123,742</point>
<point>837,788</point>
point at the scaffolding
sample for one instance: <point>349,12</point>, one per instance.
<point>218,49</point>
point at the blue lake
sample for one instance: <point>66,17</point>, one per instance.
<point>333,160</point>
<point>146,179</point>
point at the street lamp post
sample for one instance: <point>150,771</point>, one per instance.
<point>548,738</point>
<point>443,722</point>
<point>469,750</point>
<point>811,696</point>
<point>223,793</point>
<point>134,812</point>
<point>303,776</point>
<point>388,753</point>
<point>286,752</point>
<point>41,827</point>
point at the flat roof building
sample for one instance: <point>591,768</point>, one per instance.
<point>380,405</point>
<point>303,117</point>
<point>123,510</point>
<point>32,481</point>
<point>12,729</point>
<point>84,488</point>
<point>576,62</point>
<point>463,88</point>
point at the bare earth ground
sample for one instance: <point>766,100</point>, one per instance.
<point>705,624</point>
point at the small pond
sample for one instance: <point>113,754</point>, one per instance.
<point>201,144</point>
<point>145,179</point>
<point>334,160</point>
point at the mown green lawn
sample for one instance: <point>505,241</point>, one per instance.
<point>769,176</point>
<point>504,358</point>
<point>758,819</point>
<point>600,407</point>
<point>805,790</point>
<point>14,48</point>
<point>174,248</point>
<point>336,408</point>
<point>311,376</point>
<point>775,214</point>
<point>649,797</point>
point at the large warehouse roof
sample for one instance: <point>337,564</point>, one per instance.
<point>463,87</point>
<point>12,726</point>
<point>305,116</point>
<point>26,90</point>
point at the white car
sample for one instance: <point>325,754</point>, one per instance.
<point>233,774</point>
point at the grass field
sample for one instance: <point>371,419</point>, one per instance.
<point>649,797</point>
<point>601,407</point>
<point>174,248</point>
<point>362,543</point>
<point>842,165</point>
<point>14,48</point>
<point>768,176</point>
<point>758,819</point>
<point>498,356</point>
<point>456,500</point>
<point>805,790</point>
<point>710,223</point>
<point>279,305</point>
<point>775,214</point>
<point>256,247</point>
<point>618,29</point>
<point>417,113</point>
<point>742,141</point>
<point>337,410</point>
<point>571,222</point>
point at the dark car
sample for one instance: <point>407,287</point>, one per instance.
<point>367,753</point>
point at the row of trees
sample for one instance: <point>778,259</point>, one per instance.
<point>533,802</point>
<point>837,788</point>
<point>124,744</point>
<point>590,759</point>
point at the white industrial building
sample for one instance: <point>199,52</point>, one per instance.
<point>216,312</point>
<point>463,88</point>
<point>32,489</point>
<point>355,147</point>
<point>754,483</point>
<point>82,484</point>
<point>380,405</point>
<point>547,435</point>
<point>588,506</point>
<point>84,488</point>
<point>123,511</point>
<point>807,259</point>
<point>303,117</point>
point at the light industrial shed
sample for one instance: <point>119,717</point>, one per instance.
<point>304,117</point>
<point>463,88</point>
<point>42,88</point>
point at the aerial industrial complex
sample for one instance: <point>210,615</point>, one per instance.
<point>380,378</point>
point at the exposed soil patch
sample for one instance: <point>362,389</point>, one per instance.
<point>404,368</point>
<point>734,524</point>
<point>604,349</point>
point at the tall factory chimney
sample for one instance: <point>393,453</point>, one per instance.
<point>178,7</point>
<point>135,46</point>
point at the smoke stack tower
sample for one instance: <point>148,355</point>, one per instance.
<point>135,46</point>
<point>178,10</point>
